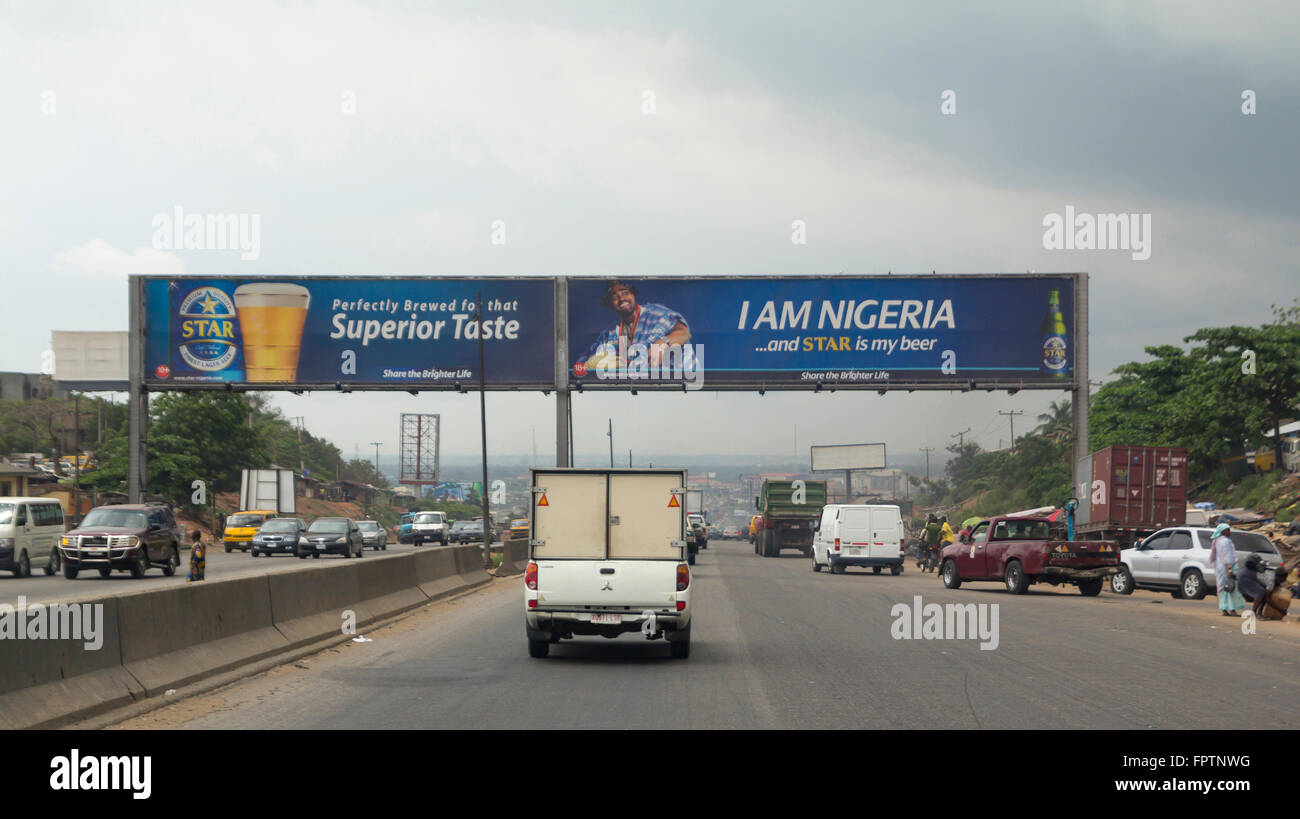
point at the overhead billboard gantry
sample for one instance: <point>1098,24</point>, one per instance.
<point>752,333</point>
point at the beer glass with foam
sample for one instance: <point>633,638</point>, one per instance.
<point>271,318</point>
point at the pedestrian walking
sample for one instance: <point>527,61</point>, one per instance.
<point>198,557</point>
<point>1223,554</point>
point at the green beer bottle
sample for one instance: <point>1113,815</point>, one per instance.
<point>1055,338</point>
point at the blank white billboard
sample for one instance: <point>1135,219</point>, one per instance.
<point>848,456</point>
<point>94,360</point>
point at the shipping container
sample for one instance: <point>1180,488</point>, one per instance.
<point>1131,491</point>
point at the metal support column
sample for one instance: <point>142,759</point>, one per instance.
<point>138,399</point>
<point>1079,401</point>
<point>562,397</point>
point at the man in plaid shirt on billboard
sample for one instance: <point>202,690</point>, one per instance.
<point>652,325</point>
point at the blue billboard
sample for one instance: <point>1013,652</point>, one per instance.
<point>825,331</point>
<point>414,333</point>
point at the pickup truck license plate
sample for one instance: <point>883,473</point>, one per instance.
<point>607,618</point>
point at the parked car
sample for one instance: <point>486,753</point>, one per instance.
<point>241,526</point>
<point>864,535</point>
<point>331,536</point>
<point>30,529</point>
<point>428,527</point>
<point>1177,560</point>
<point>123,537</point>
<point>279,536</point>
<point>373,535</point>
<point>1021,551</point>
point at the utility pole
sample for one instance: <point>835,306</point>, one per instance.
<point>375,444</point>
<point>302,462</point>
<point>629,459</point>
<point>1012,415</point>
<point>927,450</point>
<point>611,443</point>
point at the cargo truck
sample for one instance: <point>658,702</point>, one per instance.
<point>607,556</point>
<point>789,511</point>
<point>1126,493</point>
<point>695,502</point>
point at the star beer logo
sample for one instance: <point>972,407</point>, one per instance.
<point>208,329</point>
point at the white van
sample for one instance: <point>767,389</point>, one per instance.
<point>30,529</point>
<point>858,534</point>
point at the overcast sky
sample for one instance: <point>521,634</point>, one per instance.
<point>764,112</point>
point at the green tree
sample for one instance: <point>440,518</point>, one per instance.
<point>1251,379</point>
<point>1058,422</point>
<point>192,436</point>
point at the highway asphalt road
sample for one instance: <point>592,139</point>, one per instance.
<point>777,646</point>
<point>89,585</point>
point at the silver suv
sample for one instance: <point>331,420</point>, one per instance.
<point>1177,560</point>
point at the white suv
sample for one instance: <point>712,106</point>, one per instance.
<point>1177,560</point>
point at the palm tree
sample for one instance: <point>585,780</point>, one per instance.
<point>1058,422</point>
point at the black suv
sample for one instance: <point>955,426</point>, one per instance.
<point>123,537</point>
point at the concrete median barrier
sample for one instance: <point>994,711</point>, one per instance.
<point>514,557</point>
<point>436,572</point>
<point>387,586</point>
<point>469,565</point>
<point>43,680</point>
<point>174,636</point>
<point>308,605</point>
<point>171,637</point>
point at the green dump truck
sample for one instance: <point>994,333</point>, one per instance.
<point>788,511</point>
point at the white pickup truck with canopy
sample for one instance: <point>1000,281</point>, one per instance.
<point>607,556</point>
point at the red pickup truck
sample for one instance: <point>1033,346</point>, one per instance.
<point>1020,552</point>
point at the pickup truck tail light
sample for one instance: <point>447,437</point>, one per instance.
<point>530,577</point>
<point>683,577</point>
